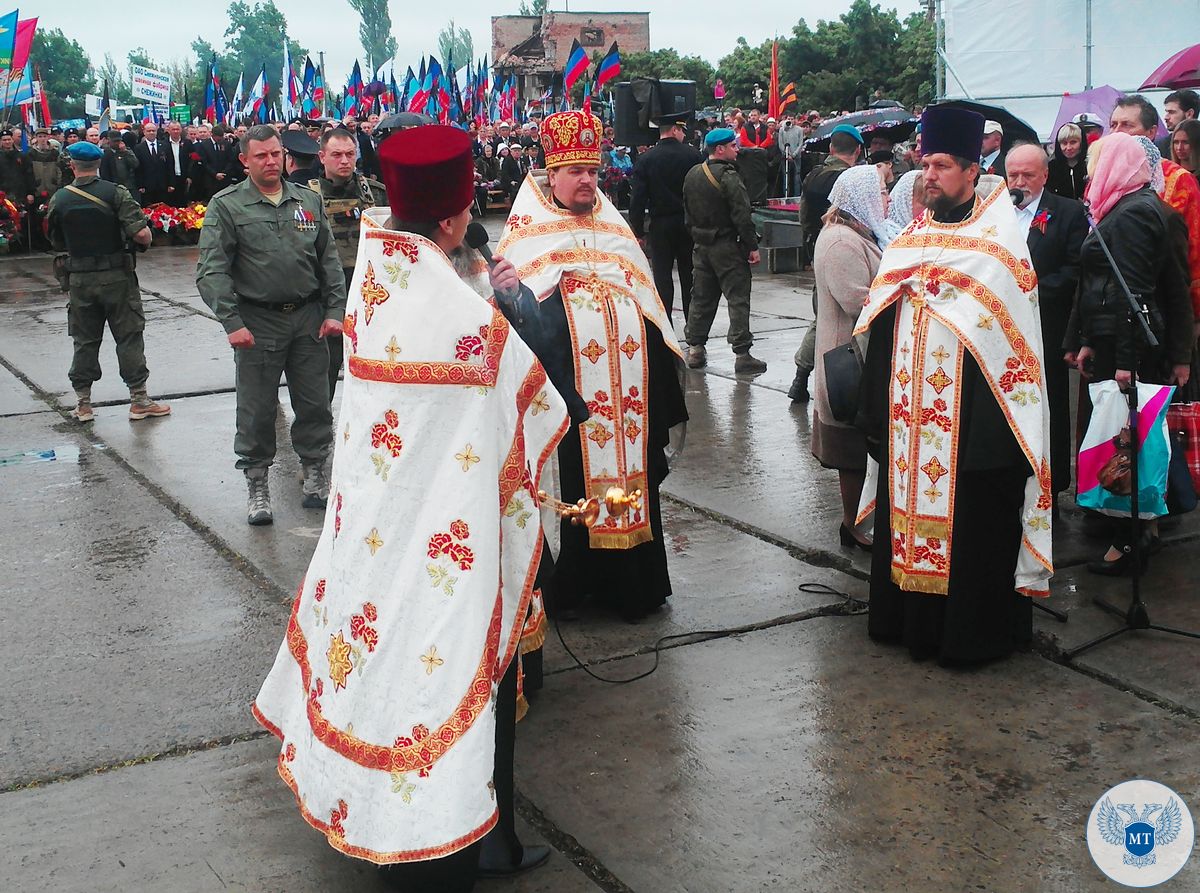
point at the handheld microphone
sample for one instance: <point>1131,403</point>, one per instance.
<point>1017,196</point>
<point>477,238</point>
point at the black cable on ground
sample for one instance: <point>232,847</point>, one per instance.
<point>849,607</point>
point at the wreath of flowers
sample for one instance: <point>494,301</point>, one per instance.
<point>167,218</point>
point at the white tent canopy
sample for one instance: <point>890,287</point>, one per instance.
<point>1025,54</point>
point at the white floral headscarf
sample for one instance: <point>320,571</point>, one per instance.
<point>1154,159</point>
<point>901,211</point>
<point>856,193</point>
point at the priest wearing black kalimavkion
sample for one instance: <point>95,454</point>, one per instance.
<point>953,403</point>
<point>575,284</point>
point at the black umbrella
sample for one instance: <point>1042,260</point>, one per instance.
<point>389,124</point>
<point>892,122</point>
<point>1015,130</point>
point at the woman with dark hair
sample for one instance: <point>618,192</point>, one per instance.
<point>1150,250</point>
<point>487,176</point>
<point>1068,167</point>
<point>1185,145</point>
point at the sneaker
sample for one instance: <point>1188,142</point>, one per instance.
<point>315,487</point>
<point>258,507</point>
<point>749,364</point>
<point>83,411</point>
<point>142,407</point>
<point>798,392</point>
<point>696,356</point>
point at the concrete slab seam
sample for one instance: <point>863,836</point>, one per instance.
<point>575,852</point>
<point>1045,647</point>
<point>235,559</point>
<point>815,557</point>
<point>178,750</point>
<point>182,305</point>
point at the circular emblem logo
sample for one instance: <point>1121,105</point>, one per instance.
<point>587,137</point>
<point>1140,833</point>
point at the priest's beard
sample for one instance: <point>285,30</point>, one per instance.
<point>464,259</point>
<point>943,203</point>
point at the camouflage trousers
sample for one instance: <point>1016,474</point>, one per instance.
<point>113,298</point>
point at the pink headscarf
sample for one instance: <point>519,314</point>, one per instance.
<point>1120,168</point>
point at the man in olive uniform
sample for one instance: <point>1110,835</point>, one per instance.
<point>346,193</point>
<point>270,272</point>
<point>658,188</point>
<point>93,220</point>
<point>717,209</point>
<point>120,164</point>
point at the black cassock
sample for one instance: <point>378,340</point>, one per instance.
<point>634,581</point>
<point>981,617</point>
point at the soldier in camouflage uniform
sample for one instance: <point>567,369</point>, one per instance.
<point>346,193</point>
<point>94,220</point>
<point>717,210</point>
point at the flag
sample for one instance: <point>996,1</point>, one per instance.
<point>105,110</point>
<point>256,101</point>
<point>787,96</point>
<point>8,39</point>
<point>773,92</point>
<point>48,121</point>
<point>288,94</point>
<point>577,64</point>
<point>393,93</point>
<point>609,67</point>
<point>402,101</point>
<point>318,90</point>
<point>211,88</point>
<point>420,96</point>
<point>236,107</point>
<point>23,43</point>
<point>16,87</point>
<point>307,105</point>
<point>587,99</point>
<point>354,90</point>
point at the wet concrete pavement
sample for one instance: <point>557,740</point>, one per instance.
<point>794,754</point>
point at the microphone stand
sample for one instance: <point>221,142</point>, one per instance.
<point>1136,616</point>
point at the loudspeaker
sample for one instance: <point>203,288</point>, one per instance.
<point>752,164</point>
<point>674,97</point>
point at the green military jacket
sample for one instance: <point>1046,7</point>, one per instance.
<point>716,205</point>
<point>344,206</point>
<point>251,248</point>
<point>91,268</point>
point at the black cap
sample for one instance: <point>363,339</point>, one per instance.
<point>297,142</point>
<point>683,118</point>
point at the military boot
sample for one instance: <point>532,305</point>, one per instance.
<point>142,407</point>
<point>315,488</point>
<point>798,392</point>
<point>748,364</point>
<point>83,405</point>
<point>696,356</point>
<point>258,509</point>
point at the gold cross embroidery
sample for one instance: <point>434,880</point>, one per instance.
<point>593,351</point>
<point>985,321</point>
<point>431,660</point>
<point>989,232</point>
<point>374,543</point>
<point>467,457</point>
<point>392,349</point>
<point>940,354</point>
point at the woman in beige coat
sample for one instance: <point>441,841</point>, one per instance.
<point>846,258</point>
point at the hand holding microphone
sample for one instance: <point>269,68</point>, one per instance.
<point>503,275</point>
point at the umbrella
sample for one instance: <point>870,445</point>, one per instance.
<point>892,122</point>
<point>1015,130</point>
<point>1180,71</point>
<point>1098,101</point>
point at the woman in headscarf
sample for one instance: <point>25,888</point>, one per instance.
<point>1154,161</point>
<point>907,199</point>
<point>1137,228</point>
<point>1068,167</point>
<point>854,233</point>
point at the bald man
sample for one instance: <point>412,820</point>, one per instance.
<point>1056,228</point>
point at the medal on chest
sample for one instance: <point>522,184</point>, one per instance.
<point>306,221</point>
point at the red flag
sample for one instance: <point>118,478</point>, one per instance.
<point>23,42</point>
<point>773,96</point>
<point>47,121</point>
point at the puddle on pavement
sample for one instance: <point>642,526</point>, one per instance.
<point>63,453</point>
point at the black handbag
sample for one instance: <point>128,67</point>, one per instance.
<point>843,376</point>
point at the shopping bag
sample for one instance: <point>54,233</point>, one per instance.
<point>1184,421</point>
<point>1104,453</point>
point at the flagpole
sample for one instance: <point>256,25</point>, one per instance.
<point>324,89</point>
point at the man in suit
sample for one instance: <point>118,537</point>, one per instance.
<point>368,161</point>
<point>210,155</point>
<point>151,171</point>
<point>177,153</point>
<point>1056,228</point>
<point>992,159</point>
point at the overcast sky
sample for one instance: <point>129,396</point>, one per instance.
<point>708,28</point>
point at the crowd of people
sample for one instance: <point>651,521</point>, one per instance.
<point>966,290</point>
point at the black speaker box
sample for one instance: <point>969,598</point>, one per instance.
<point>752,164</point>
<point>675,97</point>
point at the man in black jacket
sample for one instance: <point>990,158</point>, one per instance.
<point>151,171</point>
<point>211,158</point>
<point>658,188</point>
<point>177,153</point>
<point>1057,227</point>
